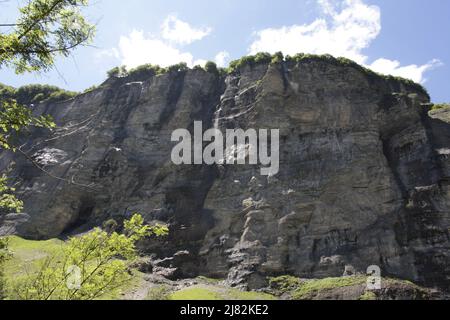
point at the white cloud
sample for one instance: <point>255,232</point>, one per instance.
<point>413,71</point>
<point>346,29</point>
<point>163,49</point>
<point>106,54</point>
<point>200,62</point>
<point>345,33</point>
<point>137,49</point>
<point>181,32</point>
<point>222,58</point>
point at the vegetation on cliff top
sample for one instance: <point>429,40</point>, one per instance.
<point>146,71</point>
<point>440,106</point>
<point>264,58</point>
<point>35,94</point>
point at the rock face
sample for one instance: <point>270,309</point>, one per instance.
<point>364,173</point>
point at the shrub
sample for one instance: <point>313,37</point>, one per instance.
<point>6,92</point>
<point>277,58</point>
<point>182,66</point>
<point>35,94</point>
<point>284,284</point>
<point>60,96</point>
<point>117,72</point>
<point>211,67</point>
<point>146,71</point>
<point>261,57</point>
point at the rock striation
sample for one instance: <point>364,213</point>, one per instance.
<point>364,173</point>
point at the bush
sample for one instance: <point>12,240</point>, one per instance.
<point>261,57</point>
<point>117,72</point>
<point>6,92</point>
<point>277,58</point>
<point>146,71</point>
<point>284,284</point>
<point>182,66</point>
<point>211,67</point>
<point>60,96</point>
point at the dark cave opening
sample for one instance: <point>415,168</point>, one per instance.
<point>84,214</point>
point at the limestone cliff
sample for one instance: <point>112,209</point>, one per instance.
<point>364,174</point>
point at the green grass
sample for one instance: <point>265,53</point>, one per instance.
<point>440,106</point>
<point>249,295</point>
<point>119,293</point>
<point>284,284</point>
<point>195,293</point>
<point>368,296</point>
<point>209,292</point>
<point>28,255</point>
<point>311,287</point>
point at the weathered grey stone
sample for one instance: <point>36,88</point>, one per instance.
<point>364,173</point>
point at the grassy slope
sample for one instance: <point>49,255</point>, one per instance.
<point>27,256</point>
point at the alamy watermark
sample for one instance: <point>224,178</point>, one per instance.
<point>374,278</point>
<point>236,146</point>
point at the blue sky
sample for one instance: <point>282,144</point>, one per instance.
<point>409,38</point>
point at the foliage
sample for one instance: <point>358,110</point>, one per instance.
<point>277,58</point>
<point>341,61</point>
<point>14,118</point>
<point>311,287</point>
<point>368,296</point>
<point>37,93</point>
<point>44,30</point>
<point>117,72</point>
<point>4,255</point>
<point>180,67</point>
<point>7,92</point>
<point>262,57</point>
<point>440,106</point>
<point>211,67</point>
<point>267,58</point>
<point>7,199</point>
<point>88,266</point>
<point>146,71</point>
<point>284,284</point>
